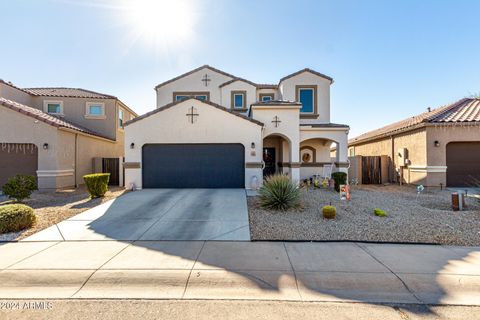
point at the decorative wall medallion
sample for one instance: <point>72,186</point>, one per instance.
<point>276,120</point>
<point>206,80</point>
<point>192,114</point>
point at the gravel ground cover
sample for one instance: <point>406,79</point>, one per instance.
<point>412,218</point>
<point>54,206</point>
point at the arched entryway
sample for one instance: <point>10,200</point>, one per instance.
<point>276,154</point>
<point>318,156</point>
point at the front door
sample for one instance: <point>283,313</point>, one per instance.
<point>269,160</point>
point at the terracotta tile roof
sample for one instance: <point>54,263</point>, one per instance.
<point>67,93</point>
<point>266,86</point>
<point>307,70</point>
<point>167,106</point>
<point>463,111</point>
<point>47,118</point>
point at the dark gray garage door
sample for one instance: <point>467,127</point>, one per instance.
<point>17,158</point>
<point>193,166</point>
<point>463,164</point>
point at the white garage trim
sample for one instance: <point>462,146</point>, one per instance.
<point>54,173</point>
<point>428,168</point>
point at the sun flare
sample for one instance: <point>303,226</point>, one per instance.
<point>161,21</point>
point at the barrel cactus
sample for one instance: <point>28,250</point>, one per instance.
<point>329,212</point>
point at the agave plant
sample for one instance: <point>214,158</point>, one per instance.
<point>279,193</point>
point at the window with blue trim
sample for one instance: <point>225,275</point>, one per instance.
<point>202,97</point>
<point>266,98</point>
<point>239,100</point>
<point>179,97</point>
<point>306,97</point>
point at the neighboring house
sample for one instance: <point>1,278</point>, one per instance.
<point>212,129</point>
<point>56,133</point>
<point>440,146</point>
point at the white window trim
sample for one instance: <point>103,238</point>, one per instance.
<point>47,102</point>
<point>91,116</point>
<point>313,99</point>
<point>124,115</point>
<point>243,106</point>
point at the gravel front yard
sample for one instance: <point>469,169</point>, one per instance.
<point>423,219</point>
<point>54,206</point>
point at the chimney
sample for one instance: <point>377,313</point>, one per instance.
<point>429,109</point>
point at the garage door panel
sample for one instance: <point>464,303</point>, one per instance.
<point>193,166</point>
<point>463,164</point>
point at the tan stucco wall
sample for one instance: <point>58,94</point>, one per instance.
<point>415,143</point>
<point>437,156</point>
<point>11,93</point>
<point>74,109</point>
<point>226,93</point>
<point>56,164</point>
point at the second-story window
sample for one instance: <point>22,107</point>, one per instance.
<point>95,110</point>
<point>53,107</point>
<point>306,95</point>
<point>120,118</point>
<point>238,100</point>
<point>264,97</point>
<point>179,96</point>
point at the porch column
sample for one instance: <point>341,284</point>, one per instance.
<point>295,162</point>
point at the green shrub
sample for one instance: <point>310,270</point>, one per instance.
<point>20,187</point>
<point>279,193</point>
<point>16,217</point>
<point>380,212</point>
<point>339,178</point>
<point>329,212</point>
<point>97,184</point>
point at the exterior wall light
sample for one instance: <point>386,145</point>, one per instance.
<point>252,145</point>
<point>132,145</point>
<point>436,143</point>
<point>45,146</point>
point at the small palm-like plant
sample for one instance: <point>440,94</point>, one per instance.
<point>279,193</point>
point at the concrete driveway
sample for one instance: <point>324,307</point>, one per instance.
<point>159,214</point>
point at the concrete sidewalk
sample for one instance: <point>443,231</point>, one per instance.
<point>370,273</point>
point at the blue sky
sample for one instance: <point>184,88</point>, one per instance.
<point>389,59</point>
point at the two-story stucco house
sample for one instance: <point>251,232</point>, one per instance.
<point>56,134</point>
<point>212,129</point>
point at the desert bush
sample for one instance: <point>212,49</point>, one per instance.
<point>16,217</point>
<point>339,178</point>
<point>279,193</point>
<point>329,212</point>
<point>380,212</point>
<point>97,184</point>
<point>20,187</point>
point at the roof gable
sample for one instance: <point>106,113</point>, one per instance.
<point>193,71</point>
<point>316,73</point>
<point>173,104</point>
<point>237,79</point>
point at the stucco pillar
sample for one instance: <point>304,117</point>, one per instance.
<point>295,161</point>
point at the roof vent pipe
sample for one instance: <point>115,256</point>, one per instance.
<point>429,109</point>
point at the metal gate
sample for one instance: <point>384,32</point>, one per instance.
<point>112,166</point>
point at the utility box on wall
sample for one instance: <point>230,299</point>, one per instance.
<point>402,157</point>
